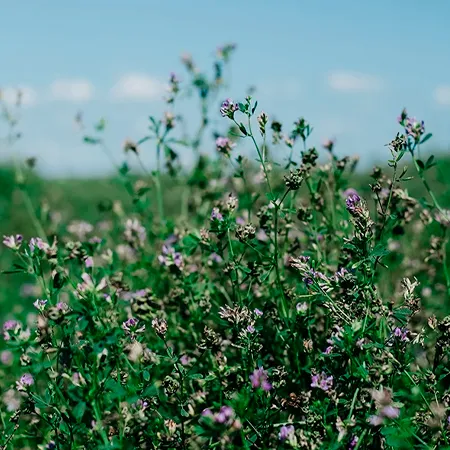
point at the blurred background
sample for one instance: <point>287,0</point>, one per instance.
<point>348,67</point>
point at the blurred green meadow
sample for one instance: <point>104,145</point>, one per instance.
<point>60,201</point>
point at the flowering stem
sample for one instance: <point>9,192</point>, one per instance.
<point>158,181</point>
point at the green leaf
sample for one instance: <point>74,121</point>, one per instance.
<point>91,140</point>
<point>146,375</point>
<point>196,376</point>
<point>243,130</point>
<point>79,410</point>
<point>100,126</point>
<point>420,164</point>
<point>425,138</point>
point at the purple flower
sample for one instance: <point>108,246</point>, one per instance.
<point>224,145</point>
<point>13,242</point>
<point>132,328</point>
<point>38,243</point>
<point>6,357</point>
<point>353,442</point>
<point>258,312</point>
<point>89,262</point>
<point>228,108</point>
<point>375,420</point>
<point>224,415</point>
<point>285,432</point>
<point>207,412</point>
<point>216,215</point>
<point>352,202</point>
<point>185,360</point>
<point>62,306</point>
<point>40,304</point>
<point>10,325</point>
<point>401,333</point>
<point>25,381</point>
<point>391,412</point>
<point>215,258</point>
<point>259,379</point>
<point>328,350</point>
<point>170,257</point>
<point>414,128</point>
<point>321,381</point>
<point>250,329</point>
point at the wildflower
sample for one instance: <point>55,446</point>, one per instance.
<point>130,146</point>
<point>385,406</point>
<point>132,328</point>
<point>214,257</point>
<point>89,262</point>
<point>328,350</point>
<point>134,232</point>
<point>232,202</point>
<point>251,329</point>
<point>169,120</point>
<point>443,217</point>
<point>185,360</point>
<point>11,399</point>
<point>80,228</point>
<point>225,413</point>
<point>228,108</point>
<point>25,381</point>
<point>170,257</point>
<point>301,307</point>
<point>328,144</point>
<point>37,243</point>
<point>245,232</point>
<point>285,432</point>
<point>353,442</point>
<point>6,357</point>
<point>262,122</point>
<point>13,242</point>
<point>160,327</point>
<point>390,412</point>
<point>88,285</point>
<point>259,379</point>
<point>40,304</point>
<point>352,202</point>
<point>414,128</point>
<point>294,180</point>
<point>402,117</point>
<point>258,312</point>
<point>62,306</point>
<point>216,215</point>
<point>321,381</point>
<point>224,145</point>
<point>401,333</point>
<point>10,325</point>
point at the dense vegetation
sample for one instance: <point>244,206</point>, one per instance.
<point>246,303</point>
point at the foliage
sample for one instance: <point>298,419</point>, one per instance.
<point>270,306</point>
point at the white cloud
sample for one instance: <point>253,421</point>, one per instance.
<point>72,90</point>
<point>138,87</point>
<point>442,94</point>
<point>354,82</point>
<point>10,95</point>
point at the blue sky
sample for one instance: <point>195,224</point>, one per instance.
<point>349,67</point>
